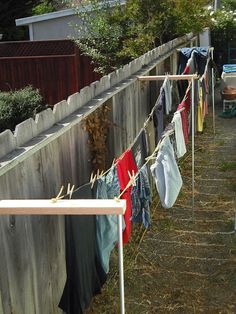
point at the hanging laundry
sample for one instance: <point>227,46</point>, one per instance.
<point>175,94</point>
<point>125,163</point>
<point>183,85</point>
<point>179,135</point>
<point>85,274</point>
<point>184,118</point>
<point>168,96</point>
<point>139,149</point>
<point>150,136</point>
<point>200,55</point>
<point>204,97</point>
<point>166,174</point>
<point>141,199</point>
<point>200,110</point>
<point>158,115</point>
<point>108,187</point>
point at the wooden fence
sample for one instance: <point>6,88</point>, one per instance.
<point>51,151</point>
<point>55,67</point>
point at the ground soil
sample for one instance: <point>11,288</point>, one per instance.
<point>186,261</point>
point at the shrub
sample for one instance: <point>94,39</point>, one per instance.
<point>17,106</point>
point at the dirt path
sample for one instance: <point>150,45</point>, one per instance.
<point>186,261</point>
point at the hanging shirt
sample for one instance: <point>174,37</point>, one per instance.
<point>179,135</point>
<point>85,274</point>
<point>158,115</point>
<point>108,187</point>
<point>141,199</point>
<point>168,96</point>
<point>139,149</point>
<point>184,118</point>
<point>166,174</point>
<point>124,164</point>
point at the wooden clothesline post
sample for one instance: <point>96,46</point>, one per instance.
<point>74,207</point>
<point>188,77</point>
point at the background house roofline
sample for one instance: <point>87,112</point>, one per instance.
<point>58,14</point>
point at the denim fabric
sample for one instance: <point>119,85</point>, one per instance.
<point>107,226</point>
<point>141,199</point>
<point>166,174</point>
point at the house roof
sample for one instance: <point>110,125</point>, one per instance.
<point>58,14</point>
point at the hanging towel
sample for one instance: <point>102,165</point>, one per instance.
<point>179,135</point>
<point>166,174</point>
<point>124,164</point>
<point>108,187</point>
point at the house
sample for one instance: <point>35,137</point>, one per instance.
<point>56,25</point>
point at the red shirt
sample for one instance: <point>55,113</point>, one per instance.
<point>124,164</point>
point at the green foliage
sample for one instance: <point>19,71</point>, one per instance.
<point>190,16</point>
<point>228,4</point>
<point>98,37</point>
<point>17,106</point>
<point>43,7</point>
<point>112,36</point>
<point>223,25</point>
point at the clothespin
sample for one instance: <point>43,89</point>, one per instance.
<point>92,179</point>
<point>132,178</point>
<point>59,196</point>
<point>70,190</point>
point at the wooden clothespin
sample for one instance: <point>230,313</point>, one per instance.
<point>132,178</point>
<point>59,196</point>
<point>92,179</point>
<point>70,190</point>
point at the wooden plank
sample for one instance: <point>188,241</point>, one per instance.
<point>62,207</point>
<point>170,77</point>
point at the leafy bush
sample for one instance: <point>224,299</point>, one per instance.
<point>17,106</point>
<point>113,35</point>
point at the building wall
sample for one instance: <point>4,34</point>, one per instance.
<point>59,28</point>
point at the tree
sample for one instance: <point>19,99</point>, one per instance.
<point>14,9</point>
<point>228,4</point>
<point>115,35</point>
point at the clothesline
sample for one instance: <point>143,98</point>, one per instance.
<point>150,116</point>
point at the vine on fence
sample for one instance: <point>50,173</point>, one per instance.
<point>97,125</point>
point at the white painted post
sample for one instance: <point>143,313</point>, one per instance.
<point>213,95</point>
<point>121,265</point>
<point>192,81</point>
